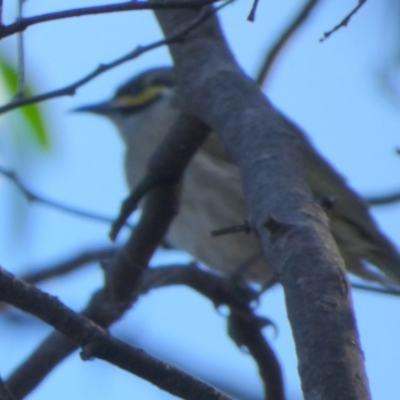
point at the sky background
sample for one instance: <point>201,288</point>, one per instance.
<point>331,89</point>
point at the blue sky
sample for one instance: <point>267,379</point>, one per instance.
<point>330,89</point>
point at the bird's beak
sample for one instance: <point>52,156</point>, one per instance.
<point>104,108</point>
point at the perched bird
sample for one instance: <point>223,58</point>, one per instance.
<point>146,107</point>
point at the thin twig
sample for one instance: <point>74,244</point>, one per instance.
<point>283,40</point>
<point>244,227</point>
<point>24,23</point>
<point>177,142</point>
<point>21,57</point>
<point>383,200</point>
<point>344,22</point>
<point>375,289</point>
<point>69,265</point>
<point>31,196</point>
<point>252,15</point>
<point>70,89</point>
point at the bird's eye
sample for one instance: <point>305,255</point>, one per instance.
<point>145,97</point>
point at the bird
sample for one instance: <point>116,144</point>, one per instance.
<point>146,107</point>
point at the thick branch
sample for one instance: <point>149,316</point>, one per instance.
<point>293,228</point>
<point>123,273</point>
<point>96,342</point>
<point>5,393</point>
<point>166,166</point>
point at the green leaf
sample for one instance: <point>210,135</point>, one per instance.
<point>32,114</point>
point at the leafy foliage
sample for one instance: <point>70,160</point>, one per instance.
<point>32,114</point>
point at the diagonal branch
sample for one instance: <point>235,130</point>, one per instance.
<point>5,393</point>
<point>376,289</point>
<point>384,199</point>
<point>293,229</point>
<point>165,167</point>
<point>276,49</point>
<point>70,89</point>
<point>344,22</point>
<point>69,265</point>
<point>22,23</point>
<point>123,275</point>
<point>33,197</point>
<point>97,342</point>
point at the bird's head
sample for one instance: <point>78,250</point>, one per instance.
<point>146,104</point>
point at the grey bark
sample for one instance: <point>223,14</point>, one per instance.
<point>294,229</point>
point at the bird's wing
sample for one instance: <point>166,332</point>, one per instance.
<point>356,233</point>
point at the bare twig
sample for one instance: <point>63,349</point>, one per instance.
<point>23,23</point>
<point>375,289</point>
<point>31,196</point>
<point>122,274</point>
<point>69,265</point>
<point>130,204</point>
<point>1,14</point>
<point>252,15</point>
<point>21,57</point>
<point>383,200</point>
<point>344,22</point>
<point>283,40</point>
<point>245,227</point>
<point>97,342</point>
<point>70,89</point>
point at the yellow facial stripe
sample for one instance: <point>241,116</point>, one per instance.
<point>141,99</point>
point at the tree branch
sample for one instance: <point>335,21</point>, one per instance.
<point>252,14</point>
<point>166,167</point>
<point>70,89</point>
<point>69,265</point>
<point>5,393</point>
<point>344,22</point>
<point>33,197</point>
<point>381,290</point>
<point>22,23</point>
<point>384,199</point>
<point>123,275</point>
<point>97,342</point>
<point>276,49</point>
<point>299,245</point>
